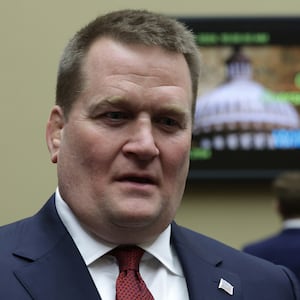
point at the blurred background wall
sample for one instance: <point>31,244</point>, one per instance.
<point>33,34</point>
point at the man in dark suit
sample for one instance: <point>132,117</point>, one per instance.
<point>283,247</point>
<point>120,134</point>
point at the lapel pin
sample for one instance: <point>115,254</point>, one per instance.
<point>226,286</point>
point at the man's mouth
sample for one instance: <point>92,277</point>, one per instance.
<point>142,179</point>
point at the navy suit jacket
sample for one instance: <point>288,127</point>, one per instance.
<point>282,248</point>
<point>39,260</point>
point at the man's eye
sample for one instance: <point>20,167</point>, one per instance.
<point>169,122</point>
<point>116,115</point>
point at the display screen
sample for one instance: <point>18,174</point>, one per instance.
<point>247,118</point>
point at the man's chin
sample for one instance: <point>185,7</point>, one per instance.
<point>136,232</point>
<point>132,221</point>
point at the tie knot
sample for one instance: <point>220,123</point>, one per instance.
<point>128,257</point>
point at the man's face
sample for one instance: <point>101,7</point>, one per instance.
<point>123,152</point>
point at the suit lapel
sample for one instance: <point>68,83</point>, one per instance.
<point>52,265</point>
<point>202,269</point>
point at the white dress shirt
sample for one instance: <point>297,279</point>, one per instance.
<point>291,224</point>
<point>159,267</point>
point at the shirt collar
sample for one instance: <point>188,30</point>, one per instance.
<point>88,245</point>
<point>162,250</point>
<point>291,223</point>
<point>91,248</point>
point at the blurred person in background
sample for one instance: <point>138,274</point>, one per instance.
<point>283,248</point>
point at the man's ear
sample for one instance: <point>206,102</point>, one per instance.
<point>54,129</point>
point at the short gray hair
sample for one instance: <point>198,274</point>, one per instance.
<point>130,27</point>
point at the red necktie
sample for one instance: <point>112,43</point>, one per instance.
<point>130,285</point>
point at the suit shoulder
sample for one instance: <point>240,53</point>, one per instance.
<point>10,233</point>
<point>232,258</point>
<point>254,273</point>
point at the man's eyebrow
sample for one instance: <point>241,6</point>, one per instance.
<point>107,102</point>
<point>174,109</point>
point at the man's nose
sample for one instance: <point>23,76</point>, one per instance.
<point>141,141</point>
